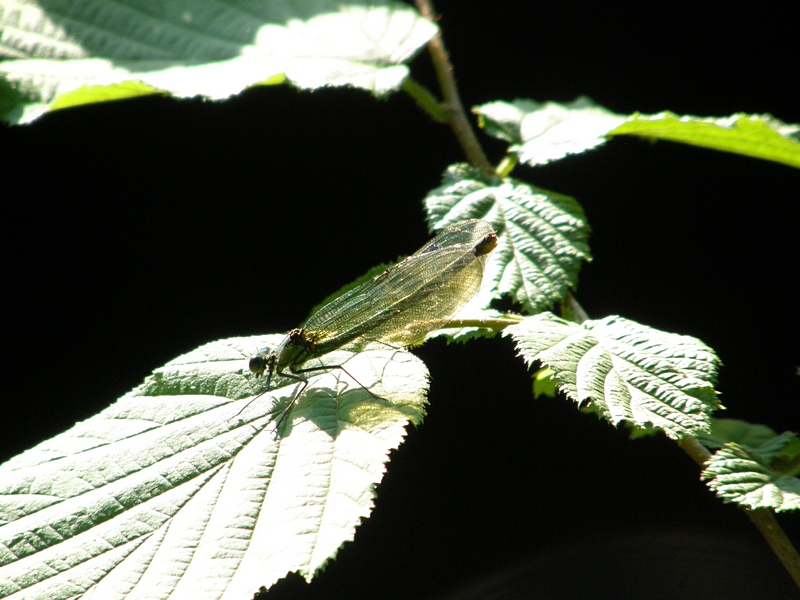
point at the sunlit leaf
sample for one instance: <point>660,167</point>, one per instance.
<point>627,371</point>
<point>183,488</point>
<point>70,53</point>
<point>543,132</point>
<point>745,477</point>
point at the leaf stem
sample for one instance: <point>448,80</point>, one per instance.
<point>496,324</point>
<point>425,100</point>
<point>507,165</point>
<point>452,106</point>
<point>762,518</point>
<point>695,450</point>
<point>571,308</point>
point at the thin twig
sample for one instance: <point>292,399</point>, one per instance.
<point>457,118</point>
<point>570,304</point>
<point>766,523</point>
<point>695,449</point>
<point>762,518</point>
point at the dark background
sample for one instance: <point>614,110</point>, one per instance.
<point>138,230</point>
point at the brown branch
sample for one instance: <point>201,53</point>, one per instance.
<point>762,518</point>
<point>457,118</point>
<point>766,523</point>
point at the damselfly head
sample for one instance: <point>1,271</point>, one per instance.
<point>485,245</point>
<point>261,362</point>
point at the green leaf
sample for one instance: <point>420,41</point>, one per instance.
<point>745,477</point>
<point>734,430</point>
<point>629,372</point>
<point>759,136</point>
<point>542,236</point>
<point>62,52</point>
<point>182,488</point>
<point>544,384</point>
<point>540,133</point>
<point>782,452</point>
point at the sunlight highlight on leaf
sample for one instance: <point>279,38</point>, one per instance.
<point>197,48</point>
<point>172,492</point>
<point>543,132</point>
<point>629,372</point>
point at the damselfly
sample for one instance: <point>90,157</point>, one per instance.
<point>399,307</point>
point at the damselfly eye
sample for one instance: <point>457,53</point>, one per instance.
<point>258,364</point>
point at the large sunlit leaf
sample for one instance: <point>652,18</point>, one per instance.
<point>753,478</point>
<point>65,53</point>
<point>539,133</point>
<point>759,136</point>
<point>183,488</point>
<point>542,236</point>
<point>627,371</point>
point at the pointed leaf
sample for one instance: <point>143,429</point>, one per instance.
<point>744,477</point>
<point>82,51</point>
<point>759,136</point>
<point>540,133</point>
<point>629,372</point>
<point>182,488</point>
<point>542,235</point>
